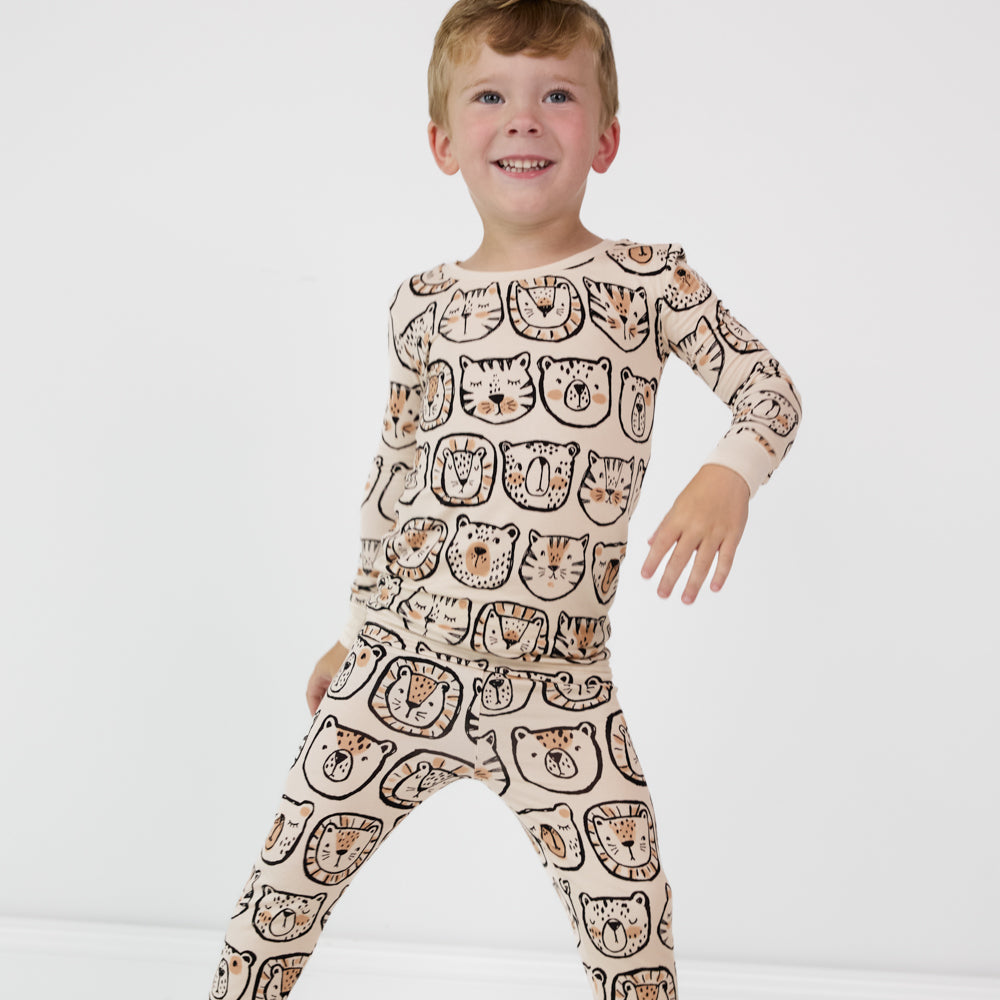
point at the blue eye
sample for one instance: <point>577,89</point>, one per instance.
<point>559,97</point>
<point>487,97</point>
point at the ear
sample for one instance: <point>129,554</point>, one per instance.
<point>441,148</point>
<point>607,147</point>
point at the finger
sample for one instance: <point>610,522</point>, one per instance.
<point>702,564</point>
<point>675,566</point>
<point>661,542</point>
<point>723,566</point>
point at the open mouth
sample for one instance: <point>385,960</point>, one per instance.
<point>522,166</point>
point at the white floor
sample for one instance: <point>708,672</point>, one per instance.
<point>52,960</point>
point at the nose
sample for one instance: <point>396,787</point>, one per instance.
<point>522,121</point>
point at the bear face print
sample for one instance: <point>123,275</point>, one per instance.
<point>555,834</point>
<point>289,824</point>
<point>618,926</point>
<point>497,390</point>
<point>576,391</point>
<point>537,475</point>
<point>643,258</point>
<point>232,976</point>
<point>339,761</point>
<point>481,555</point>
<point>284,916</point>
<point>608,558</point>
<point>562,759</point>
<point>635,405</point>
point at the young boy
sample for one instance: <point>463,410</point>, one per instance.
<point>495,519</point>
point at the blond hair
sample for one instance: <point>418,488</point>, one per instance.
<point>535,27</point>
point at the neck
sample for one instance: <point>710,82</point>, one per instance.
<point>509,250</point>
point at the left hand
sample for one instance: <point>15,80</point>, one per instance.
<point>708,517</point>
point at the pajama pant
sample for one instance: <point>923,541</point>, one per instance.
<point>394,727</point>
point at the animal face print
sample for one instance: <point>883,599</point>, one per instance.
<point>581,638</point>
<point>417,696</point>
<point>497,390</point>
<point>547,308</point>
<point>556,836</point>
<point>339,846</point>
<point>618,926</point>
<point>339,760</point>
<point>278,975</point>
<point>770,408</point>
<point>635,407</point>
<point>232,977</point>
<point>735,334</point>
<point>463,470</point>
<point>639,258</point>
<point>513,630</point>
<point>413,549</point>
<point>576,391</point>
<point>431,282</point>
<point>417,476</point>
<point>401,413</point>
<point>561,759</point>
<point>701,351</point>
<point>553,564</point>
<point>604,492</point>
<point>385,591</point>
<point>537,474</point>
<point>436,617</point>
<point>622,835</point>
<point>685,288</point>
<point>289,825</point>
<point>284,916</point>
<point>621,313</point>
<point>473,314</point>
<point>606,569</point>
<point>481,555</point>
<point>438,395</point>
<point>413,343</point>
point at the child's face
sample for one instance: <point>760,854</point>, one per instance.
<point>525,131</point>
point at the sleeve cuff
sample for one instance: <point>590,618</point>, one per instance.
<point>746,457</point>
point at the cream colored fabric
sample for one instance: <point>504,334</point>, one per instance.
<point>516,436</point>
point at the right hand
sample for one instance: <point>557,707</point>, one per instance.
<point>324,672</point>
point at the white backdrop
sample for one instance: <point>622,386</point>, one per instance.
<point>203,202</point>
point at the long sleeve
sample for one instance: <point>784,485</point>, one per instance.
<point>394,460</point>
<point>694,324</point>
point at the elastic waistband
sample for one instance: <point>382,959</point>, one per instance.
<point>482,659</point>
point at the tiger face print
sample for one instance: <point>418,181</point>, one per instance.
<point>497,390</point>
<point>604,492</point>
<point>401,413</point>
<point>580,638</point>
<point>553,565</point>
<point>438,617</point>
<point>619,312</point>
<point>472,315</point>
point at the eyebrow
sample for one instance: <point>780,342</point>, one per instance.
<point>557,81</point>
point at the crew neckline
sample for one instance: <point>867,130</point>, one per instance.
<point>453,267</point>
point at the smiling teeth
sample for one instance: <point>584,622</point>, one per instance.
<point>520,166</point>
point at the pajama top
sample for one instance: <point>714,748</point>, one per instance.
<point>516,437</point>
